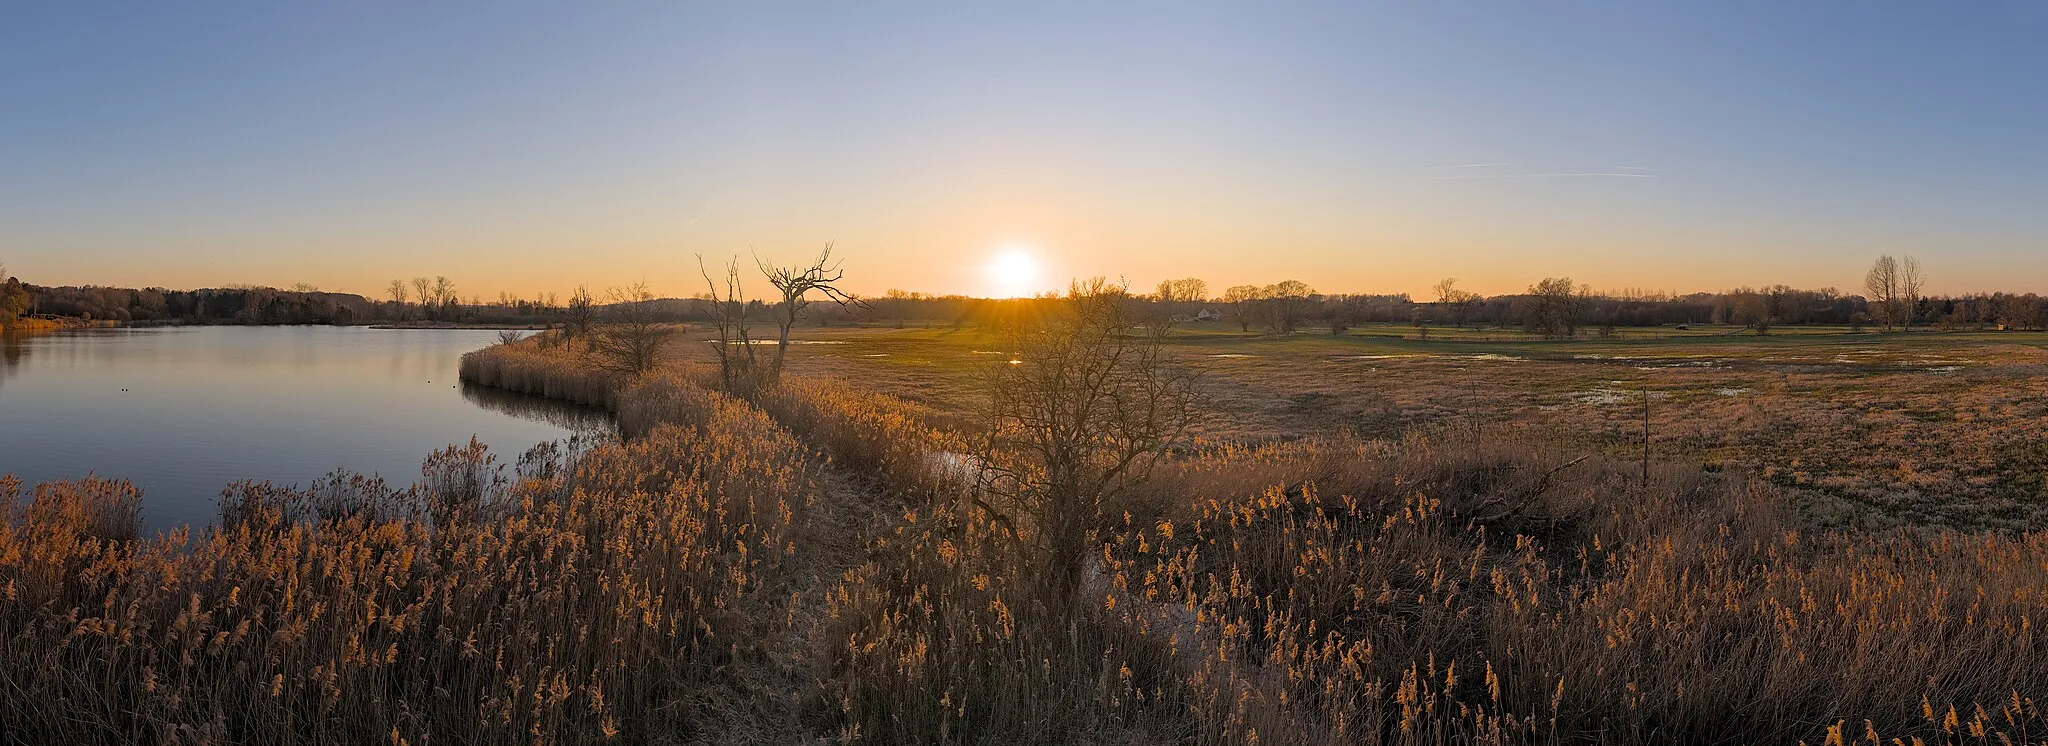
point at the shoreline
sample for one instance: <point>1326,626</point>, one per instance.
<point>446,325</point>
<point>379,325</point>
<point>24,326</point>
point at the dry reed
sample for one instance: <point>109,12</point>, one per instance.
<point>798,567</point>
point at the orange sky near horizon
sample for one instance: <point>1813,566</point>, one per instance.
<point>1360,148</point>
<point>1397,262</point>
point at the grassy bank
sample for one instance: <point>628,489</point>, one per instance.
<point>1452,585</point>
<point>799,567</point>
<point>33,325</point>
<point>628,591</point>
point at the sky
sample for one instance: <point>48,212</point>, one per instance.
<point>1002,148</point>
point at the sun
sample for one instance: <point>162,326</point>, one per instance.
<point>1013,272</point>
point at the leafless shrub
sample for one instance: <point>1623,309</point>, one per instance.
<point>1082,412</point>
<point>632,340</point>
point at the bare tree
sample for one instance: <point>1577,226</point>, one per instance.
<point>795,284</point>
<point>444,295</point>
<point>397,291</point>
<point>1882,285</point>
<point>1243,300</point>
<point>1910,281</point>
<point>581,313</point>
<point>1088,404</point>
<point>1446,289</point>
<point>1184,290</point>
<point>1555,306</point>
<point>1454,300</point>
<point>738,362</point>
<point>1287,304</point>
<point>423,289</point>
<point>631,340</point>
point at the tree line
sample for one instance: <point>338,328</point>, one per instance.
<point>1553,307</point>
<point>263,305</point>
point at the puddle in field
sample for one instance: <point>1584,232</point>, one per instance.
<point>1604,396</point>
<point>1730,392</point>
<point>1232,355</point>
<point>1496,358</point>
<point>876,354</point>
<point>1945,369</point>
<point>1721,362</point>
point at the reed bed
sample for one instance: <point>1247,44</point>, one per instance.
<point>796,567</point>
<point>1388,597</point>
<point>543,365</point>
<point>630,591</point>
<point>1463,585</point>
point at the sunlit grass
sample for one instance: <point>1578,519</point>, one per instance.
<point>798,567</point>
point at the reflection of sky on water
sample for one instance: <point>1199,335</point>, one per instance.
<point>184,411</point>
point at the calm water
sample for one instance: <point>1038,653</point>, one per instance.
<point>182,412</point>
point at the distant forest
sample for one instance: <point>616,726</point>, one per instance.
<point>1553,307</point>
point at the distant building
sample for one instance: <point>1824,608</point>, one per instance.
<point>1207,314</point>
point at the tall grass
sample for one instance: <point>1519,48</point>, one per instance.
<point>637,589</point>
<point>796,567</point>
<point>1455,587</point>
<point>543,365</point>
<point>1389,598</point>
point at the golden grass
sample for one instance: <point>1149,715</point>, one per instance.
<point>637,588</point>
<point>797,568</point>
<point>542,366</point>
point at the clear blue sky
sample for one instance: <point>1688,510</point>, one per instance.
<point>529,147</point>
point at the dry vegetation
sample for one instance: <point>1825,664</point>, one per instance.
<point>807,564</point>
<point>1865,430</point>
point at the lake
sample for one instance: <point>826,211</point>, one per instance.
<point>181,412</point>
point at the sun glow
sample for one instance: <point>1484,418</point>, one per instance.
<point>1013,272</point>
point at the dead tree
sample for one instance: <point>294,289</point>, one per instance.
<point>796,284</point>
<point>738,365</point>
<point>1882,285</point>
<point>1911,278</point>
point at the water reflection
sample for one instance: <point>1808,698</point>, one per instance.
<point>576,418</point>
<point>12,350</point>
<point>183,412</point>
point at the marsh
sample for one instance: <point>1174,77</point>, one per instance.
<point>182,412</point>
